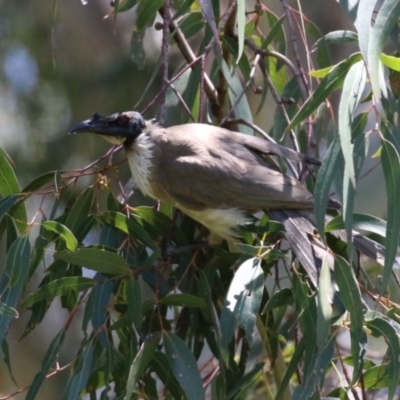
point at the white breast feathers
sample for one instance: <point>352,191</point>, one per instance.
<point>139,158</point>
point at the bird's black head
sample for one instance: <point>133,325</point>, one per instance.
<point>118,128</point>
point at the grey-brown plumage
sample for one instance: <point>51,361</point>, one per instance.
<point>214,175</point>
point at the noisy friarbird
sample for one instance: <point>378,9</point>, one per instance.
<point>217,176</point>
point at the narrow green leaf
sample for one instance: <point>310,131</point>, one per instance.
<point>210,16</point>
<point>9,186</point>
<point>353,87</point>
<point>184,300</point>
<point>48,362</point>
<point>387,16</point>
<point>160,365</point>
<point>350,7</point>
<point>99,260</point>
<point>245,381</point>
<point>58,287</point>
<point>242,108</point>
<point>121,222</point>
<point>124,5</point>
<point>81,373</point>
<point>79,210</point>
<point>291,368</point>
<point>241,24</point>
<point>391,62</point>
<point>391,170</point>
<point>283,297</point>
<point>192,24</point>
<point>307,311</point>
<point>333,81</point>
<point>184,366</point>
<point>8,202</point>
<point>39,182</point>
<point>141,361</point>
<point>63,232</point>
<point>363,222</point>
<point>377,377</point>
<point>17,263</point>
<point>383,328</point>
<point>133,295</point>
<point>322,55</point>
<point>351,298</point>
<point>100,298</point>
<point>146,12</point>
<point>8,311</point>
<point>276,33</point>
<point>363,25</point>
<point>332,164</point>
<point>336,37</point>
<point>232,46</point>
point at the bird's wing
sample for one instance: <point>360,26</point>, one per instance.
<point>270,148</point>
<point>203,169</point>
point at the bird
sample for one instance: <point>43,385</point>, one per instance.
<point>217,177</point>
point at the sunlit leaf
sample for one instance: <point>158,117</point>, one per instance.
<point>363,25</point>
<point>333,81</point>
<point>242,301</point>
<point>63,232</point>
<point>391,62</point>
<point>324,307</point>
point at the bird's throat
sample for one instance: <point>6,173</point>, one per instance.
<point>140,155</point>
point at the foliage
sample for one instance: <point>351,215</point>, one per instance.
<point>159,322</point>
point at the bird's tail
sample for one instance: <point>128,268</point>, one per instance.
<point>303,239</point>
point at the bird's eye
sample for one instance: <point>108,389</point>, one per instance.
<point>123,120</point>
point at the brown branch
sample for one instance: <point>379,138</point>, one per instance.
<point>190,57</point>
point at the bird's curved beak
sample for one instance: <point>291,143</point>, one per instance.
<point>116,128</point>
<point>101,125</point>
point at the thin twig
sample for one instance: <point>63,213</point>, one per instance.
<point>180,73</point>
<point>246,86</point>
<point>190,57</point>
<point>164,51</point>
<point>310,133</point>
<point>224,19</point>
<point>180,98</point>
